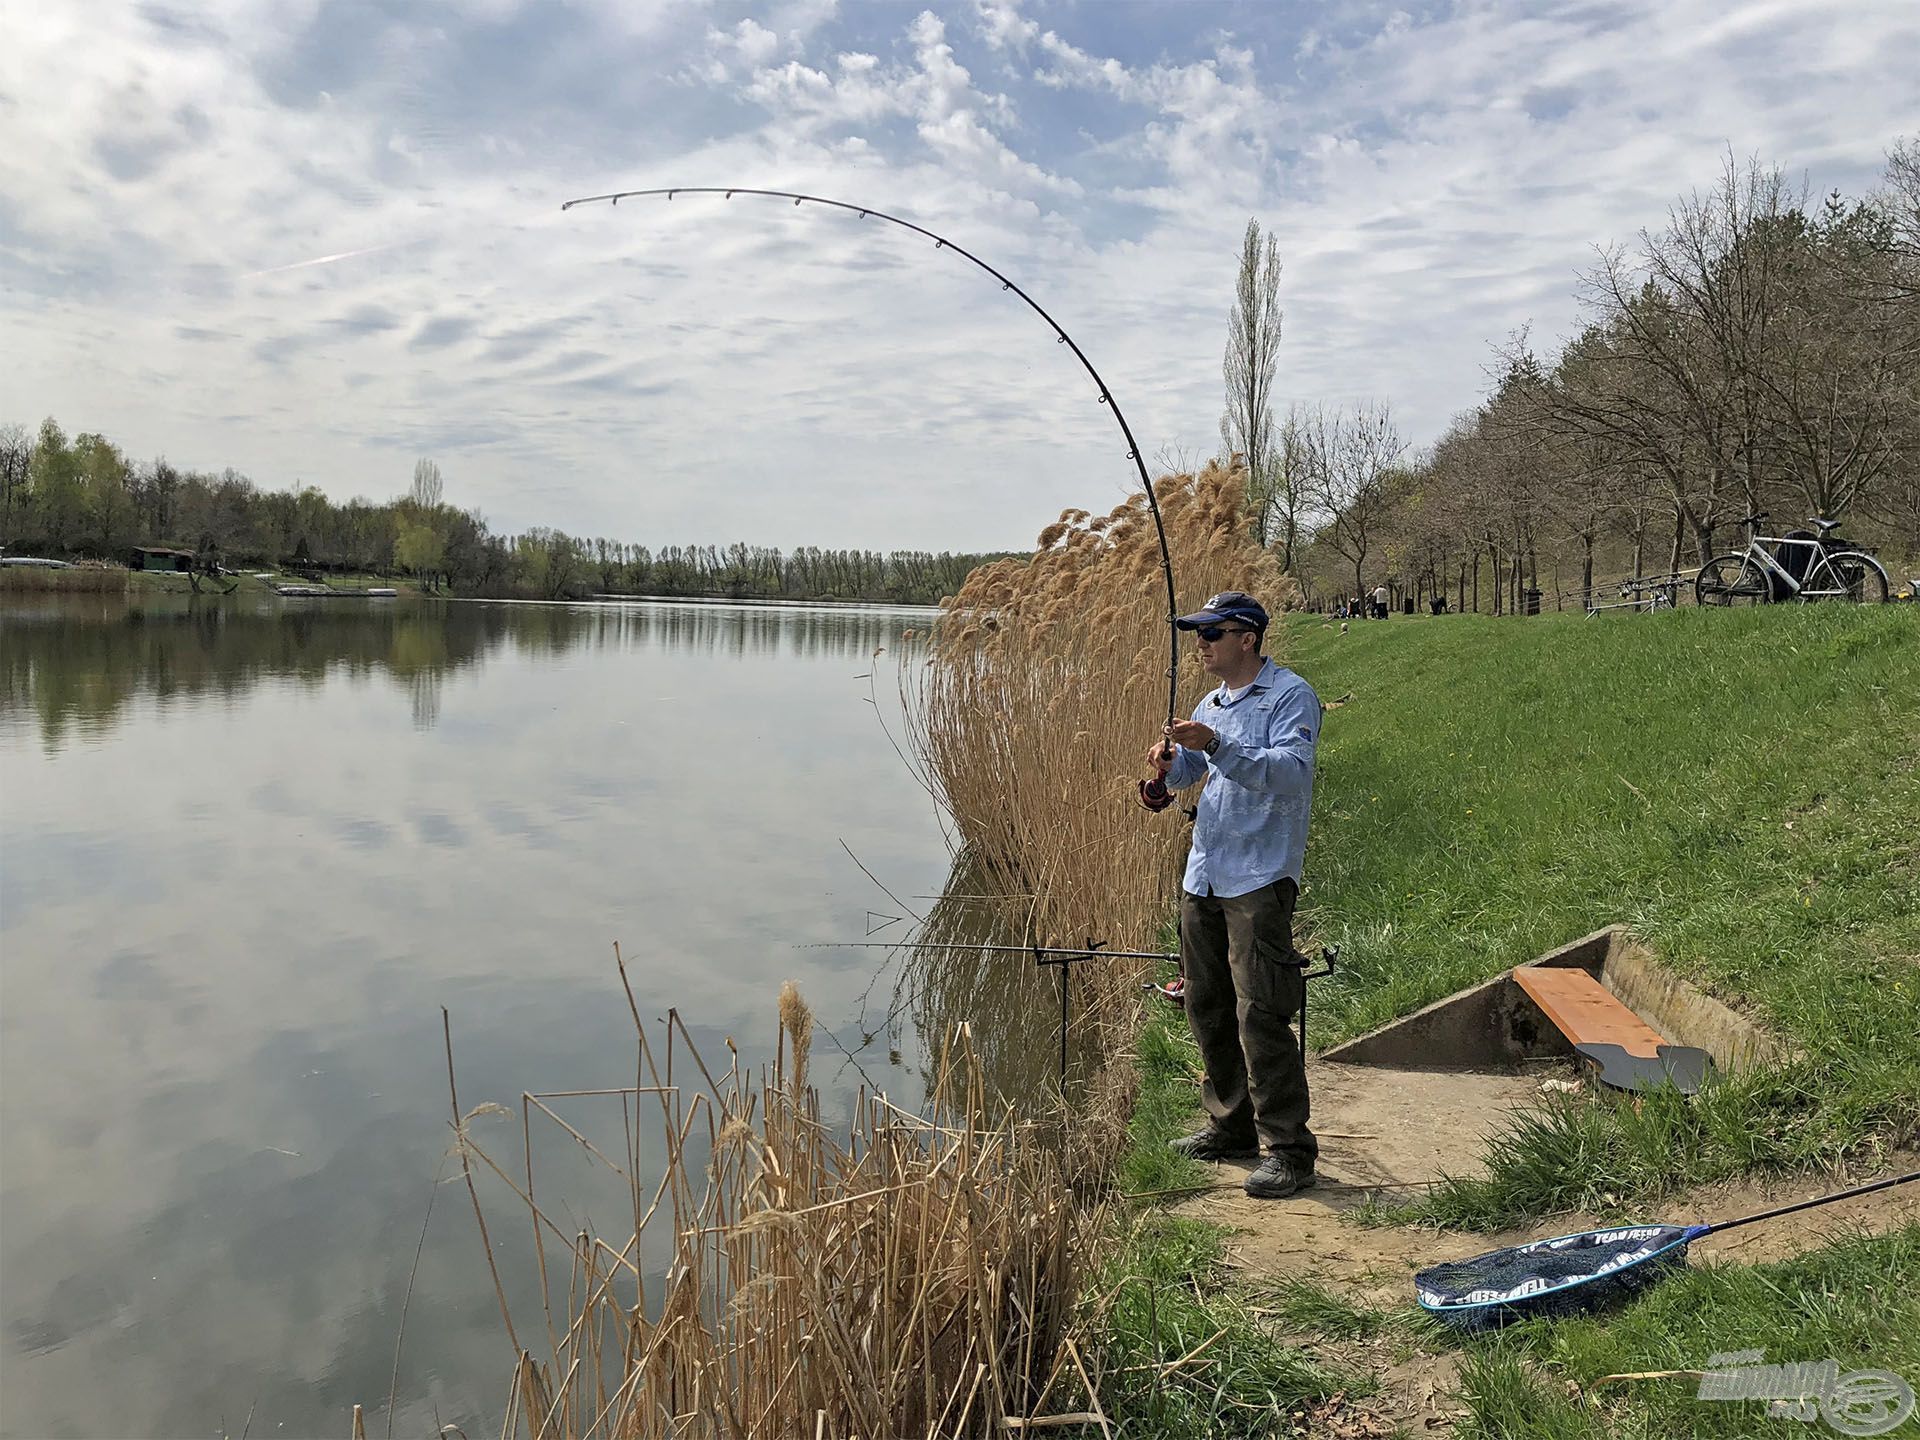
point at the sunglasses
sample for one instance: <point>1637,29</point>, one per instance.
<point>1212,633</point>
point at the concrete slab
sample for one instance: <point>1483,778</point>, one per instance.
<point>1496,1025</point>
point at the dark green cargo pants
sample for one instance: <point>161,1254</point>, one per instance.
<point>1243,990</point>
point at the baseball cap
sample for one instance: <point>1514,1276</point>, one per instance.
<point>1227,605</point>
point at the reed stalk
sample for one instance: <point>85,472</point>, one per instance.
<point>916,1275</point>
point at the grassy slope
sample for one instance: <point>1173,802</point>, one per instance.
<point>1742,788</point>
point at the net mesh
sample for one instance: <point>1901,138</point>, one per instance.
<point>1561,1276</point>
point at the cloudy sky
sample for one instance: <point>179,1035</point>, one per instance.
<point>313,239</point>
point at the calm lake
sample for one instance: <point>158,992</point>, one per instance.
<point>247,852</point>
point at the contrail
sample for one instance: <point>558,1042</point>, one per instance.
<point>325,259</point>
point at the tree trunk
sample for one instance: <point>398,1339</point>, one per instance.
<point>1702,542</point>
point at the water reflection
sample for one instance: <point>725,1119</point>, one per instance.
<point>75,663</point>
<point>1012,1004</point>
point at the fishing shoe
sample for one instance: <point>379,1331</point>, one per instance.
<point>1214,1143</point>
<point>1278,1177</point>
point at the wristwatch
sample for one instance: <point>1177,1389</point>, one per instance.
<point>1213,744</point>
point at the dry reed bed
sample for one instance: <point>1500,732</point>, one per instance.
<point>1044,688</point>
<point>915,1277</point>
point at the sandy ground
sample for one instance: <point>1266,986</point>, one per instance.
<point>1381,1133</point>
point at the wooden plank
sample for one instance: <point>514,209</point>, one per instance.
<point>1582,1009</point>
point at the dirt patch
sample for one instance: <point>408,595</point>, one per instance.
<point>1384,1134</point>
<point>1419,1394</point>
<point>1382,1127</point>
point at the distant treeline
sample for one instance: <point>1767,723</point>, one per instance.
<point>82,497</point>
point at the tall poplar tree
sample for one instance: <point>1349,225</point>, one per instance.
<point>1253,349</point>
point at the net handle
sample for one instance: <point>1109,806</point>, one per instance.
<point>1778,1211</point>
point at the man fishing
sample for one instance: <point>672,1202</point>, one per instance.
<point>1252,740</point>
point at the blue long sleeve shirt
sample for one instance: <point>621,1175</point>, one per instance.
<point>1250,827</point>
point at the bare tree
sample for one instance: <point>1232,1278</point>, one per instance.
<point>427,486</point>
<point>1289,498</point>
<point>1901,203</point>
<point>1253,349</point>
<point>1354,460</point>
<point>16,458</point>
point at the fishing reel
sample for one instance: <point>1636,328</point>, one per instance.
<point>1154,793</point>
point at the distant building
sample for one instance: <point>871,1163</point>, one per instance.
<point>146,557</point>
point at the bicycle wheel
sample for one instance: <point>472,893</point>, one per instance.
<point>1732,580</point>
<point>1861,576</point>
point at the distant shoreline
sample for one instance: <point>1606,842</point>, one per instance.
<point>765,603</point>
<point>108,579</point>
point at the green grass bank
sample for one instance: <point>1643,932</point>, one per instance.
<point>1741,788</point>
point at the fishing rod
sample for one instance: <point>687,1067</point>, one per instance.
<point>1153,793</point>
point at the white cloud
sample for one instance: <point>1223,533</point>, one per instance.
<point>746,47</point>
<point>1433,182</point>
<point>1002,25</point>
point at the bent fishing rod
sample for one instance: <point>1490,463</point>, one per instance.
<point>1154,800</point>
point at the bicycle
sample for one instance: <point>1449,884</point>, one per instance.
<point>1801,566</point>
